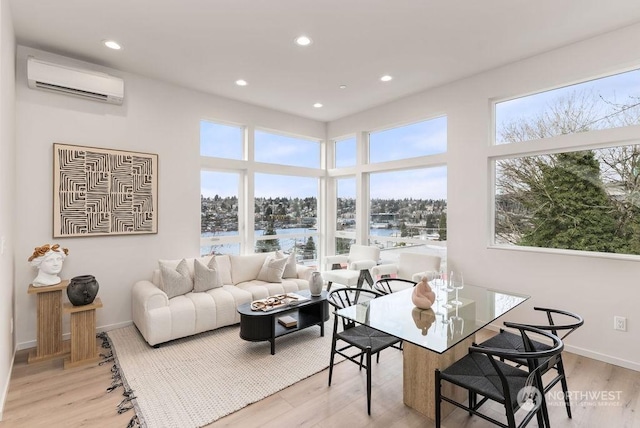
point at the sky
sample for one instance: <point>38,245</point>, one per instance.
<point>417,139</point>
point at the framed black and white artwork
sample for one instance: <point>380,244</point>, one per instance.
<point>100,191</point>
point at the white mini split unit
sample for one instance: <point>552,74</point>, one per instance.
<point>86,84</point>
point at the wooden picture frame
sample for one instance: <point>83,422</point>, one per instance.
<point>100,192</point>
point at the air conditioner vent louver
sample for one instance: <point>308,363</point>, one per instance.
<point>57,88</point>
<point>76,82</point>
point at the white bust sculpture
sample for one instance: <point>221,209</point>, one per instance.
<point>48,259</point>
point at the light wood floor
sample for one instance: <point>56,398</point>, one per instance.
<point>45,395</point>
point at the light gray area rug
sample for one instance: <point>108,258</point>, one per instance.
<point>194,381</point>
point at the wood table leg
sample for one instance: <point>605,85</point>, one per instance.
<point>419,365</point>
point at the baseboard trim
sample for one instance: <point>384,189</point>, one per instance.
<point>632,365</point>
<point>67,336</point>
<point>5,390</point>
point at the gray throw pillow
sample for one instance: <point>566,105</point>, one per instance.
<point>175,282</point>
<point>272,270</point>
<point>290,268</point>
<point>205,277</point>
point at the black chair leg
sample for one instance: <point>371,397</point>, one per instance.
<point>472,401</point>
<point>565,388</point>
<point>511,419</point>
<point>329,286</point>
<point>334,341</point>
<point>437,398</point>
<point>369,380</point>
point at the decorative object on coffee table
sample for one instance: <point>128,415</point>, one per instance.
<point>315,283</point>
<point>99,191</point>
<point>82,290</point>
<point>48,259</point>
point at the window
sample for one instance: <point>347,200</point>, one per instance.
<point>219,213</point>
<point>346,152</point>
<point>585,200</point>
<point>286,215</point>
<point>221,141</point>
<point>283,150</point>
<point>345,214</point>
<point>583,194</point>
<point>609,102</point>
<point>418,139</point>
<point>409,208</point>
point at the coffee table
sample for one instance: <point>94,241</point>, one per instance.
<point>259,326</point>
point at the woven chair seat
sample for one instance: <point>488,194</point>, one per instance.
<point>509,340</point>
<point>475,372</point>
<point>363,337</point>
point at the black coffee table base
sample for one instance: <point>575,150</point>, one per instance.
<point>258,326</point>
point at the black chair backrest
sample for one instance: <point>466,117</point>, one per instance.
<point>538,361</point>
<point>345,297</point>
<point>389,285</point>
<point>555,328</point>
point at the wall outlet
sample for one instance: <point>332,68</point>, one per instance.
<point>619,323</point>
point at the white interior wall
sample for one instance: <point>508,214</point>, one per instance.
<point>156,118</point>
<point>597,287</point>
<point>7,193</point>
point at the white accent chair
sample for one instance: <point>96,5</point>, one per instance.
<point>360,260</point>
<point>411,266</point>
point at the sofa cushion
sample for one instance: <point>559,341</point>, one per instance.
<point>272,270</point>
<point>246,267</point>
<point>205,277</point>
<point>224,268</point>
<point>175,281</point>
<point>290,270</point>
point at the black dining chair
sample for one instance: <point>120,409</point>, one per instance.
<point>360,341</point>
<point>513,341</point>
<point>390,285</point>
<point>482,373</point>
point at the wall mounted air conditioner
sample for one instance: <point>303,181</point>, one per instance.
<point>86,84</point>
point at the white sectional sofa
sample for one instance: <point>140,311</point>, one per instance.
<point>160,318</point>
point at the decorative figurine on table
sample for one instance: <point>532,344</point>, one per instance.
<point>422,296</point>
<point>423,318</point>
<point>48,259</point>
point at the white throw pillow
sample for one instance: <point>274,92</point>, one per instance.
<point>290,268</point>
<point>272,270</point>
<point>175,281</point>
<point>206,277</point>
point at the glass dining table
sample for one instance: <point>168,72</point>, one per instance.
<point>432,338</point>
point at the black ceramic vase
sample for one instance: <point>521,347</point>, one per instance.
<point>82,290</point>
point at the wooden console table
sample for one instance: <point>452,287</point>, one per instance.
<point>49,337</point>
<point>84,347</point>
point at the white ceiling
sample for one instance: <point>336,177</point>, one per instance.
<point>208,44</point>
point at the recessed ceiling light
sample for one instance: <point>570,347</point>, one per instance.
<point>317,105</point>
<point>342,86</point>
<point>241,82</point>
<point>303,41</point>
<point>111,44</point>
<point>386,78</point>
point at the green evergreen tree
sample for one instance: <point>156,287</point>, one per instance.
<point>309,249</point>
<point>570,207</point>
<point>268,245</point>
<point>442,227</point>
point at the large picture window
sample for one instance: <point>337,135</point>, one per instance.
<point>286,213</point>
<point>221,141</point>
<point>284,150</point>
<point>609,102</point>
<point>219,213</point>
<point>409,208</point>
<point>585,200</point>
<point>419,139</point>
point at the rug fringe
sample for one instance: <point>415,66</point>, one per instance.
<point>116,382</point>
